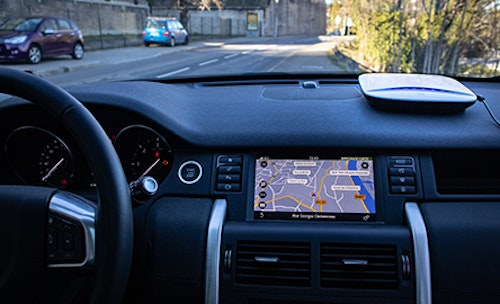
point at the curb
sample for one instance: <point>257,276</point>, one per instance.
<point>66,69</point>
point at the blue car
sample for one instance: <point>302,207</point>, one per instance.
<point>165,31</point>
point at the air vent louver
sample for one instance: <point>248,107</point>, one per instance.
<point>359,266</point>
<point>273,263</point>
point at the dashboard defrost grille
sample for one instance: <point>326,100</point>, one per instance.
<point>359,266</point>
<point>273,263</point>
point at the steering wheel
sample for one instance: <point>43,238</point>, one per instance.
<point>34,219</point>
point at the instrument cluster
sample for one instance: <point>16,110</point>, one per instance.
<point>40,157</point>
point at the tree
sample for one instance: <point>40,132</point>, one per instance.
<point>425,36</point>
<point>201,5</point>
<point>183,6</point>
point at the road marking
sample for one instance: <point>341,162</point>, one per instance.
<point>208,62</point>
<point>313,67</point>
<point>230,56</point>
<point>173,73</point>
<point>246,52</point>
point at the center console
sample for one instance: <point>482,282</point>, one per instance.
<point>316,230</point>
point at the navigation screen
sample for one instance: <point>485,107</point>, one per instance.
<point>329,190</point>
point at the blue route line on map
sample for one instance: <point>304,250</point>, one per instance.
<point>369,201</point>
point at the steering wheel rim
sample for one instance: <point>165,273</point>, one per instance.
<point>114,222</point>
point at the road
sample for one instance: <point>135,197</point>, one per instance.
<point>229,56</point>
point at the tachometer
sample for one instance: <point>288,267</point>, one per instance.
<point>143,152</point>
<point>39,157</point>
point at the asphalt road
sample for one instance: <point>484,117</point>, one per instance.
<point>229,56</point>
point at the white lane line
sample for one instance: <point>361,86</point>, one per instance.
<point>246,52</point>
<point>173,73</point>
<point>208,62</point>
<point>231,56</point>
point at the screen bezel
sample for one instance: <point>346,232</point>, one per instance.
<point>310,216</point>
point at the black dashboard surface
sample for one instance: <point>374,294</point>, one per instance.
<point>266,115</point>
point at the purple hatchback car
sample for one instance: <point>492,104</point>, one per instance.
<point>34,38</point>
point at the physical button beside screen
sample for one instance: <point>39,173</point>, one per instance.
<point>230,159</point>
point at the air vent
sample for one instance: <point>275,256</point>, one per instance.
<point>322,93</point>
<point>259,82</point>
<point>273,263</point>
<point>359,266</point>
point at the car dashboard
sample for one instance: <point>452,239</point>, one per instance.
<point>285,189</point>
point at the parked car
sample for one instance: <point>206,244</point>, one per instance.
<point>167,31</point>
<point>34,38</point>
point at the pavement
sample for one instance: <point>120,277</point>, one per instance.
<point>64,64</point>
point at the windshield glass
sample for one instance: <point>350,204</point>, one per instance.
<point>129,39</point>
<point>21,25</point>
<point>155,24</point>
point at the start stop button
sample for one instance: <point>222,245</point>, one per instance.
<point>190,172</point>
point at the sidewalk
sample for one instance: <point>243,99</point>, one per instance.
<point>64,64</point>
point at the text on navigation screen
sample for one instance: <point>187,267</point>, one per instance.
<point>300,189</point>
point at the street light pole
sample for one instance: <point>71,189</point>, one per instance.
<point>276,17</point>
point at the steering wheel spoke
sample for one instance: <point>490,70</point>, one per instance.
<point>70,231</point>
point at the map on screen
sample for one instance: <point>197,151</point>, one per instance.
<point>338,189</point>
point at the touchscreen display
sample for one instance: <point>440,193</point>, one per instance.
<point>312,189</point>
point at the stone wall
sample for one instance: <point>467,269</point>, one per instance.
<point>93,17</point>
<point>225,23</point>
<point>300,17</point>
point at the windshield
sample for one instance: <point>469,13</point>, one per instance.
<point>155,24</point>
<point>21,25</point>
<point>128,40</point>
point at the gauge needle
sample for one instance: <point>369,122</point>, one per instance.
<point>44,179</point>
<point>150,167</point>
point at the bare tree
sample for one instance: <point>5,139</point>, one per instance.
<point>456,46</point>
<point>201,5</point>
<point>207,4</point>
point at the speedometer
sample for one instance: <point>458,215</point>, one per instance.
<point>39,157</point>
<point>143,152</point>
<point>55,164</point>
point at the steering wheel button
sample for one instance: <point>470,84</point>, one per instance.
<point>52,239</point>
<point>68,241</point>
<point>69,255</point>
